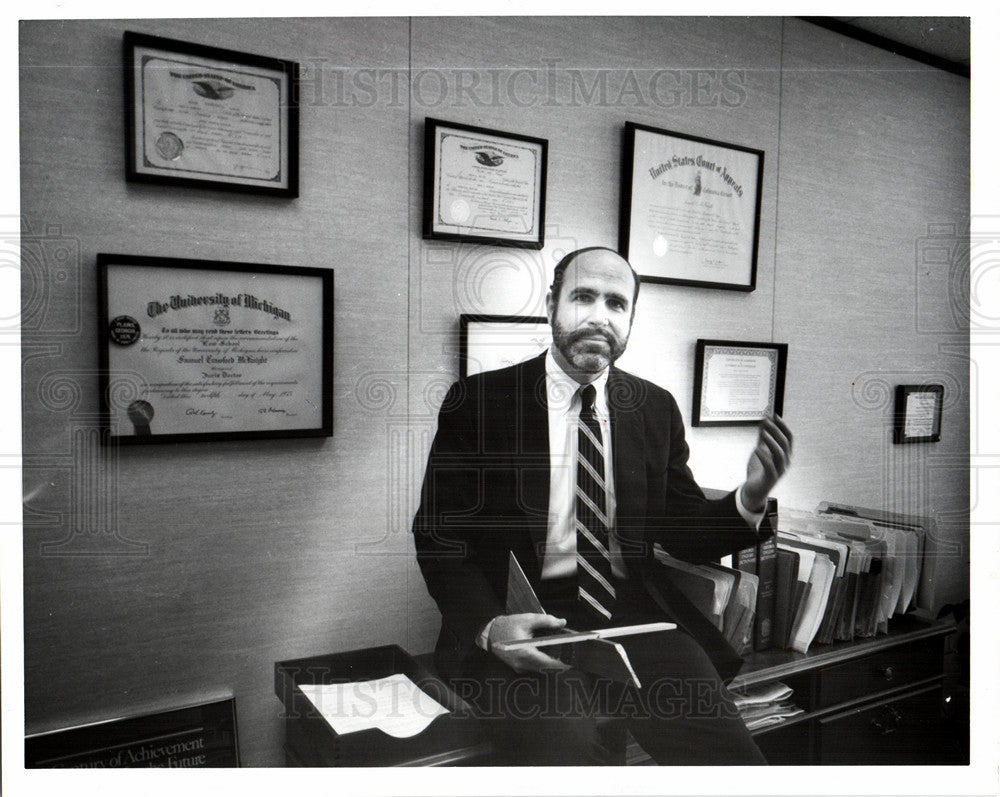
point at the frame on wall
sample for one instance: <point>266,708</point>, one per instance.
<point>690,212</point>
<point>200,350</point>
<point>484,186</point>
<point>204,116</point>
<point>488,342</point>
<point>737,383</point>
<point>917,417</point>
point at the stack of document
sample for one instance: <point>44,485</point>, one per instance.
<point>856,574</point>
<point>832,575</point>
<point>763,706</point>
<point>395,705</point>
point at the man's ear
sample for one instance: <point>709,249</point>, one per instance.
<point>550,306</point>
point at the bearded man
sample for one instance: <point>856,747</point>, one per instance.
<point>578,468</point>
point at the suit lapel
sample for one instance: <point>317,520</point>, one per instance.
<point>628,441</point>
<point>532,442</point>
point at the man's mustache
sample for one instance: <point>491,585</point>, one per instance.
<point>582,334</point>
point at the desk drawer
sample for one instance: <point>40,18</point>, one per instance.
<point>904,730</point>
<point>886,669</point>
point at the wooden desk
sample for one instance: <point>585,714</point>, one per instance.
<point>873,701</point>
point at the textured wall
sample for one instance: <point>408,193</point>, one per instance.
<point>209,562</point>
<point>250,547</point>
<point>872,195</point>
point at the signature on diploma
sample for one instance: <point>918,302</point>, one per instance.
<point>275,410</point>
<point>199,411</point>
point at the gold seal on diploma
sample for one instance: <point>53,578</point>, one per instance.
<point>170,146</point>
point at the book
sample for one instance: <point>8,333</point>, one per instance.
<point>784,596</point>
<point>762,560</point>
<point>594,651</point>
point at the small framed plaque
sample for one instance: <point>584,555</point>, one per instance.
<point>484,186</point>
<point>203,116</point>
<point>488,342</point>
<point>918,413</point>
<point>737,383</point>
<point>690,209</point>
<point>197,350</point>
<point>192,737</point>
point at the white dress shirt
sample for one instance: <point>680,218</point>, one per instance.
<point>563,394</point>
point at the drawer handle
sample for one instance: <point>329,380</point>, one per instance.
<point>891,724</point>
<point>887,673</point>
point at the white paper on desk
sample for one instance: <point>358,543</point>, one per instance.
<point>395,705</point>
<point>763,694</point>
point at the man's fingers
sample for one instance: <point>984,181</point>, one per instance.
<point>773,449</point>
<point>545,622</point>
<point>780,423</point>
<point>779,431</point>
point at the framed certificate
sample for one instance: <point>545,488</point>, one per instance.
<point>736,383</point>
<point>488,342</point>
<point>484,186</point>
<point>690,209</point>
<point>918,414</point>
<point>203,116</point>
<point>196,350</point>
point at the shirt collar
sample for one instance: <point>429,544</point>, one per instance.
<point>562,390</point>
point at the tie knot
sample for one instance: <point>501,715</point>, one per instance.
<point>588,394</point>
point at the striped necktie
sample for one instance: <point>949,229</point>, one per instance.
<point>593,557</point>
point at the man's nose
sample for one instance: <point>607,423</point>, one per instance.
<point>597,317</point>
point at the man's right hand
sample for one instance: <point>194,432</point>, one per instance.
<point>511,627</point>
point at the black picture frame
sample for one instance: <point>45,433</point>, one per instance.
<point>185,368</point>
<point>487,342</point>
<point>728,261</point>
<point>265,85</point>
<point>914,421</point>
<point>743,362</point>
<point>458,161</point>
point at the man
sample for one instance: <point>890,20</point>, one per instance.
<point>577,468</point>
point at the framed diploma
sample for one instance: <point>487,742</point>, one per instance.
<point>488,342</point>
<point>918,413</point>
<point>737,384</point>
<point>196,350</point>
<point>484,186</point>
<point>202,116</point>
<point>690,209</point>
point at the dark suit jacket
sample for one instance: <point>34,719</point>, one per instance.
<point>485,493</point>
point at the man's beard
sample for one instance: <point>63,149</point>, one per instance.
<point>586,355</point>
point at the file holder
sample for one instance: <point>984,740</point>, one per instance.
<point>310,740</point>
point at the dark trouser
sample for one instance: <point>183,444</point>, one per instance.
<point>683,714</point>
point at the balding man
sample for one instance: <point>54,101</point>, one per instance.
<point>578,468</point>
